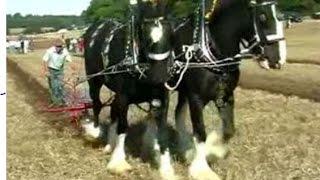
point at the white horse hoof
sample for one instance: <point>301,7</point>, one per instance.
<point>91,132</point>
<point>167,173</point>
<point>214,138</point>
<point>205,175</point>
<point>118,167</point>
<point>219,151</point>
<point>166,169</point>
<point>189,155</point>
<point>200,170</point>
<point>107,149</point>
<point>168,176</point>
<point>215,146</point>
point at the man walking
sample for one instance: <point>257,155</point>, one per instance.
<point>53,66</point>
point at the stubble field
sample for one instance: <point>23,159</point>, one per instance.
<point>277,122</point>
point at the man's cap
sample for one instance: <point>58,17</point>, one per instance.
<point>58,42</point>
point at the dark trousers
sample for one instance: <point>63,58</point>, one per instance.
<point>56,86</point>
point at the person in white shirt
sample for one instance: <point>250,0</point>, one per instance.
<point>7,44</point>
<point>25,47</point>
<point>53,66</point>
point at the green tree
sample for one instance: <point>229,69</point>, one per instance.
<point>17,21</point>
<point>7,31</point>
<point>32,30</point>
<point>304,6</point>
<point>99,9</point>
<point>17,15</point>
<point>182,8</point>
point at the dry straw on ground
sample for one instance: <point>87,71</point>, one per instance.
<point>277,136</point>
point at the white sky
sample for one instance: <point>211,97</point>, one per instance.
<point>48,7</point>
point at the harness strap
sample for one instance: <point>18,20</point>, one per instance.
<point>210,14</point>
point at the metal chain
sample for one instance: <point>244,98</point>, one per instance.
<point>188,56</point>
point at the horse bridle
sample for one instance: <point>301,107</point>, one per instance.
<point>256,41</point>
<point>265,39</point>
<point>260,39</point>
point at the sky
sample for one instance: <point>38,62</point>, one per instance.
<point>48,7</point>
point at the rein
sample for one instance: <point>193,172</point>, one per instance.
<point>115,69</point>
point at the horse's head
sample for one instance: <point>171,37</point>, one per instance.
<point>269,33</point>
<point>157,39</point>
<point>157,48</point>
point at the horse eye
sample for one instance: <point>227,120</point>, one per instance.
<point>263,18</point>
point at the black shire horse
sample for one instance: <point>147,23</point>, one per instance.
<point>106,45</point>
<point>232,21</point>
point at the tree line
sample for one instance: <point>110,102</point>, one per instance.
<point>302,6</point>
<point>99,9</point>
<point>35,23</point>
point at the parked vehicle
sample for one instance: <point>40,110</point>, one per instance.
<point>293,16</point>
<point>316,15</point>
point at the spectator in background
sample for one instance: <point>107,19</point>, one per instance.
<point>81,45</point>
<point>25,47</point>
<point>7,44</point>
<point>53,66</point>
<point>22,46</point>
<point>73,46</point>
<point>288,23</point>
<point>17,46</point>
<point>31,44</point>
<point>67,42</point>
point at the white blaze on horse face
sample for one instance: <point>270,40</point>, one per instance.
<point>118,163</point>
<point>279,26</point>
<point>199,168</point>
<point>156,33</point>
<point>279,35</point>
